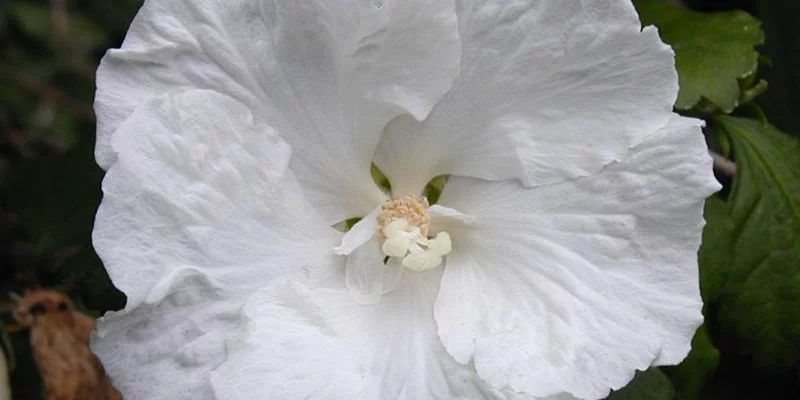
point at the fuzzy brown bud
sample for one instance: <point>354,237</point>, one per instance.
<point>60,342</point>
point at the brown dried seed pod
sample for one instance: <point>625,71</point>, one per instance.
<point>60,338</point>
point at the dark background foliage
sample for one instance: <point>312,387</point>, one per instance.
<point>50,186</point>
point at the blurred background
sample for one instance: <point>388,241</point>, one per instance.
<point>50,185</point>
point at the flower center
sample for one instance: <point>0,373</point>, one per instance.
<point>404,225</point>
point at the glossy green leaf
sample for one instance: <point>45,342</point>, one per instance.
<point>750,258</point>
<point>712,51</point>
<point>652,384</point>
<point>691,375</point>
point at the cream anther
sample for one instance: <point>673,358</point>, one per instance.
<point>413,209</point>
<point>404,225</point>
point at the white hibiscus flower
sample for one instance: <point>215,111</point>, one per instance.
<point>560,258</point>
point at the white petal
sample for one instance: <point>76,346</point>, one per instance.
<point>393,274</point>
<point>367,277</point>
<point>571,287</point>
<point>444,218</point>
<point>395,61</point>
<point>327,74</point>
<point>306,343</point>
<point>165,348</point>
<point>360,233</point>
<point>198,183</point>
<point>440,211</point>
<point>548,90</point>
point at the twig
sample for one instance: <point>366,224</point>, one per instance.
<point>723,164</point>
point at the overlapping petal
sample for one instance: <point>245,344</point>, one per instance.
<point>303,342</point>
<point>568,288</point>
<point>366,275</point>
<point>549,90</point>
<point>327,74</point>
<point>166,348</point>
<point>198,183</point>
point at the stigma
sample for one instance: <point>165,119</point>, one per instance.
<point>404,226</point>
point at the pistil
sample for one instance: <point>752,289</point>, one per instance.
<point>404,225</point>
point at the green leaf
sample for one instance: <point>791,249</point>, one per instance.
<point>380,178</point>
<point>647,385</point>
<point>32,18</point>
<point>85,33</point>
<point>712,51</point>
<point>692,374</point>
<point>36,21</point>
<point>56,196</point>
<point>433,190</point>
<point>750,258</point>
